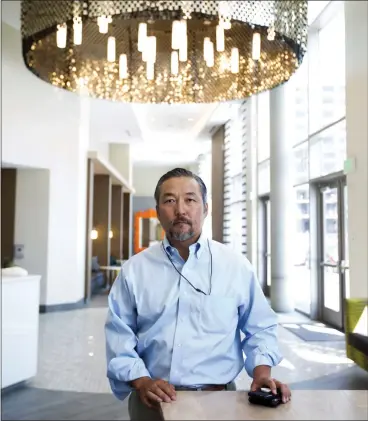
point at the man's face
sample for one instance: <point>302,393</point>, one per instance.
<point>180,210</point>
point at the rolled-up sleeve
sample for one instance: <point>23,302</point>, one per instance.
<point>258,322</point>
<point>123,361</point>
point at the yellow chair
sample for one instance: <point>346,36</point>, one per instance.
<point>356,331</point>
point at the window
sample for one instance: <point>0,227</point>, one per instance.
<point>234,192</point>
<point>301,253</point>
<point>297,104</point>
<point>329,86</point>
<point>328,151</point>
<point>301,160</point>
<point>315,126</point>
<point>263,126</point>
<point>205,172</point>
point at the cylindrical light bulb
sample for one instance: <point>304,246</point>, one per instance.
<point>176,34</point>
<point>183,31</point>
<point>145,51</point>
<point>211,55</point>
<point>150,50</point>
<point>103,24</point>
<point>123,66</point>
<point>183,50</point>
<point>142,36</point>
<point>234,60</point>
<point>256,46</point>
<point>206,47</point>
<point>150,70</point>
<point>220,38</point>
<point>77,31</point>
<point>61,35</point>
<point>111,49</point>
<point>174,63</point>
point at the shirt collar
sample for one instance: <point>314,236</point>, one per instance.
<point>196,248</point>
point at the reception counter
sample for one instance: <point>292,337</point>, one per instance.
<point>304,405</point>
<point>20,319</point>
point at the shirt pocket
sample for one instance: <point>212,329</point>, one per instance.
<point>217,314</point>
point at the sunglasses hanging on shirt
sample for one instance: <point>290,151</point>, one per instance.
<point>182,276</point>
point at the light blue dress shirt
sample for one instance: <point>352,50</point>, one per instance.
<point>159,326</point>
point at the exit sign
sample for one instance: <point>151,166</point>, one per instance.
<point>349,165</point>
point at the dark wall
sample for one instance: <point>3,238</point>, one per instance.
<point>8,189</point>
<point>127,220</point>
<point>102,218</point>
<point>116,242</point>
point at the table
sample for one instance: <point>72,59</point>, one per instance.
<point>111,270</point>
<point>304,405</point>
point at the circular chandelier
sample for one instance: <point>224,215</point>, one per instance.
<point>164,51</point>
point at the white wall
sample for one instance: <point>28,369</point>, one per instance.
<point>120,158</point>
<point>101,147</point>
<point>45,127</point>
<point>145,178</point>
<point>32,222</point>
<point>356,50</point>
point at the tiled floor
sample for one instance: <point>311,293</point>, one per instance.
<point>72,359</point>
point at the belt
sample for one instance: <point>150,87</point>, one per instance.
<point>208,388</point>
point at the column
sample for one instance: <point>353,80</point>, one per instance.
<point>282,193</point>
<point>356,58</point>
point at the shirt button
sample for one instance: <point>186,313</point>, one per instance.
<point>179,345</point>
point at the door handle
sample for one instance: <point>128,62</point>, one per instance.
<point>335,268</point>
<point>332,265</point>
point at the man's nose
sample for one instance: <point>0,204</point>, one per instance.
<point>180,207</point>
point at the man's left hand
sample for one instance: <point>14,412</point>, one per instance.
<point>273,384</point>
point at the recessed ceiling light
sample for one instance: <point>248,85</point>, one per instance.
<point>190,119</point>
<point>153,119</point>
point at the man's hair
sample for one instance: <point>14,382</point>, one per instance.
<point>180,172</point>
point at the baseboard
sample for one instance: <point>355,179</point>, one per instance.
<point>14,387</point>
<point>62,307</point>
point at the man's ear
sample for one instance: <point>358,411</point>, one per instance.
<point>205,210</point>
<point>157,211</point>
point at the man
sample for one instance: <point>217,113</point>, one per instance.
<point>177,308</point>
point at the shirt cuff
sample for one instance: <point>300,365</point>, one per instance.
<point>120,386</point>
<point>261,356</point>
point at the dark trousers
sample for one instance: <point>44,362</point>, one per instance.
<point>138,411</point>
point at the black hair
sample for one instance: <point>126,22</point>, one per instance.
<point>180,172</point>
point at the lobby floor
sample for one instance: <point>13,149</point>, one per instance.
<point>71,383</point>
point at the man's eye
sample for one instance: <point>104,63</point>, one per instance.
<point>169,201</point>
<point>190,200</point>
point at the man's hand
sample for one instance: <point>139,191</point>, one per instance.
<point>153,391</point>
<point>262,378</point>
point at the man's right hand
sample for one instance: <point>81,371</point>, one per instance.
<point>153,391</point>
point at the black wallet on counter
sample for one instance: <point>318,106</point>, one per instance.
<point>265,398</point>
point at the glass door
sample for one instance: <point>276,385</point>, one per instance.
<point>334,253</point>
<point>264,245</point>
